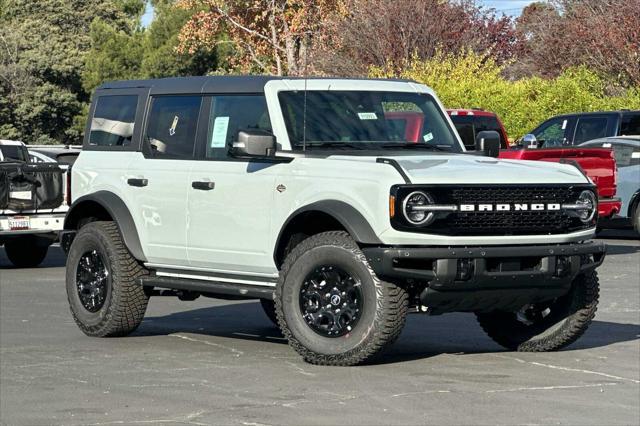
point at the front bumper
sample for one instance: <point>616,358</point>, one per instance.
<point>486,278</point>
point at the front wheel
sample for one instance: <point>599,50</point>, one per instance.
<point>27,252</point>
<point>547,326</point>
<point>332,307</point>
<point>104,294</point>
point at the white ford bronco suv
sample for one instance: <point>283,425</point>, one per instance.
<point>341,204</point>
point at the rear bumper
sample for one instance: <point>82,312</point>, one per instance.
<point>38,224</point>
<point>609,207</point>
<point>486,278</point>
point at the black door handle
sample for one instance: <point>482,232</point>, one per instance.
<point>137,182</point>
<point>203,185</point>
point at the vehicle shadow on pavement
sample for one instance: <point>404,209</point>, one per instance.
<point>55,259</point>
<point>422,337</point>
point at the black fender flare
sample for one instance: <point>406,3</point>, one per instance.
<point>348,216</point>
<point>118,211</point>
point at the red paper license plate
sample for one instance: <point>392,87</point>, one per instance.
<point>18,223</point>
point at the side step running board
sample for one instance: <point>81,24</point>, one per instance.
<point>221,290</point>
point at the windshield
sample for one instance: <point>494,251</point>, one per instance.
<point>365,120</point>
<point>14,152</point>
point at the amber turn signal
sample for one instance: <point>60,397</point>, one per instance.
<point>392,206</point>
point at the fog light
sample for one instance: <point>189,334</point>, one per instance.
<point>465,270</point>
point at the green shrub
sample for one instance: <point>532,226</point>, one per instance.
<point>470,80</point>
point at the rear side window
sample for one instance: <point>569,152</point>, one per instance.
<point>113,120</point>
<point>468,126</point>
<point>590,128</point>
<point>172,124</point>
<point>630,125</point>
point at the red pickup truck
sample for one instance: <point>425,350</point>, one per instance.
<point>597,163</point>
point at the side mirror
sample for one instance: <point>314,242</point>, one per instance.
<point>488,143</point>
<point>254,143</point>
<point>529,141</point>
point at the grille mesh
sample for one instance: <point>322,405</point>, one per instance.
<point>510,222</point>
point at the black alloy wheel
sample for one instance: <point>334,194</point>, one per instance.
<point>330,301</point>
<point>92,281</point>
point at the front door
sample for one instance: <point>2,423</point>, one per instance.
<point>158,178</point>
<point>230,199</point>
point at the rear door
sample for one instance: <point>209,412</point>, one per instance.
<point>590,127</point>
<point>158,177</point>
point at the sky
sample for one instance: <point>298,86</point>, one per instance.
<point>508,7</point>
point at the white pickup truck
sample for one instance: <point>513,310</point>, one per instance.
<point>33,204</point>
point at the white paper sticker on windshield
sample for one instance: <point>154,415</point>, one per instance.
<point>219,134</point>
<point>606,145</point>
<point>564,124</point>
<point>428,137</point>
<point>367,116</point>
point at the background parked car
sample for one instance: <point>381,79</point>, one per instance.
<point>469,122</point>
<point>62,154</point>
<point>33,203</point>
<point>627,154</point>
<point>574,129</point>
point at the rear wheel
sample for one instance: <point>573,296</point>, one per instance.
<point>549,326</point>
<point>104,295</point>
<point>332,307</point>
<point>27,252</point>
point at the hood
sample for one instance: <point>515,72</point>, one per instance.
<point>469,169</point>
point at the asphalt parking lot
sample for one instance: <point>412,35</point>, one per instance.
<point>220,362</point>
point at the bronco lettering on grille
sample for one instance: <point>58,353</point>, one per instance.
<point>510,207</point>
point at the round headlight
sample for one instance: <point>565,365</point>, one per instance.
<point>413,208</point>
<point>587,200</point>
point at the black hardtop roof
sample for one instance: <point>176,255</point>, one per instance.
<point>616,112</point>
<point>213,84</point>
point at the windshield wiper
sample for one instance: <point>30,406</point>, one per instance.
<point>334,144</point>
<point>415,146</point>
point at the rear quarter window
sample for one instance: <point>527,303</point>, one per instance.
<point>113,120</point>
<point>630,125</point>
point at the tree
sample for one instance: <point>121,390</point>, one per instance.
<point>143,53</point>
<point>388,33</point>
<point>269,36</point>
<point>161,58</point>
<point>40,83</point>
<point>601,34</point>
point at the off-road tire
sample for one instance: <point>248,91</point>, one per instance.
<point>384,306</point>
<point>269,308</point>
<point>581,304</point>
<point>27,252</point>
<point>126,301</point>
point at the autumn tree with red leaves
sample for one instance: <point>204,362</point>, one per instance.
<point>604,35</point>
<point>268,36</point>
<point>385,33</point>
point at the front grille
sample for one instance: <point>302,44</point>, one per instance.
<point>543,194</point>
<point>497,222</point>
